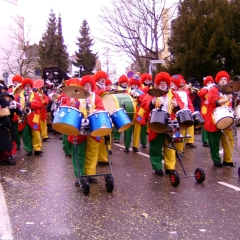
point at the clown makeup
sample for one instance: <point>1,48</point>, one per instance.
<point>124,84</point>
<point>223,81</point>
<point>134,86</point>
<point>163,86</point>
<point>27,88</point>
<point>88,87</point>
<point>101,83</point>
<point>147,81</point>
<point>173,86</point>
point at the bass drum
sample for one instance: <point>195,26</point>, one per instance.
<point>223,117</point>
<point>112,102</point>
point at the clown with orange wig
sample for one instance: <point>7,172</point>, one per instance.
<point>171,103</point>
<point>215,100</point>
<point>208,82</point>
<point>30,124</point>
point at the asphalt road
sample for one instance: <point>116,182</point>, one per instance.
<point>43,203</point>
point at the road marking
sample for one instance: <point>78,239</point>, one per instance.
<point>5,227</point>
<point>130,149</point>
<point>230,186</point>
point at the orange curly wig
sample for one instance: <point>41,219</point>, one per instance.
<point>220,75</point>
<point>88,79</point>
<point>163,77</point>
<point>100,74</point>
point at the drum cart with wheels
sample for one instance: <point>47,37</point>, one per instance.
<point>173,136</point>
<point>84,179</point>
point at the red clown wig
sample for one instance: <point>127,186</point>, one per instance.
<point>100,74</point>
<point>220,75</point>
<point>163,77</point>
<point>123,79</point>
<point>135,79</point>
<point>145,76</point>
<point>17,78</point>
<point>208,79</point>
<point>27,81</point>
<point>108,82</point>
<point>176,80</point>
<point>88,79</point>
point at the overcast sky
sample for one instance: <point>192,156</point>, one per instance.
<point>73,12</point>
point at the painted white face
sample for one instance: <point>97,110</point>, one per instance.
<point>208,83</point>
<point>88,87</point>
<point>163,86</point>
<point>101,83</point>
<point>148,81</point>
<point>173,86</point>
<point>124,84</point>
<point>223,81</point>
<point>27,88</point>
<point>135,86</point>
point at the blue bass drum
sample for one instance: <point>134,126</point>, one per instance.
<point>67,120</point>
<point>100,124</point>
<point>121,120</point>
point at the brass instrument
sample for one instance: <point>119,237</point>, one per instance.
<point>17,89</point>
<point>189,86</point>
<point>26,110</point>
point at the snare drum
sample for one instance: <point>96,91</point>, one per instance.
<point>223,117</point>
<point>67,120</point>
<point>158,120</point>
<point>184,118</point>
<point>121,120</point>
<point>100,124</point>
<point>198,119</point>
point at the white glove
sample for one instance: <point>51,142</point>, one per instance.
<point>210,85</point>
<point>13,105</point>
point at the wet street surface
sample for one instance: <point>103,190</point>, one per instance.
<point>43,202</point>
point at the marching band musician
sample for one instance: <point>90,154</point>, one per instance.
<point>185,96</point>
<point>89,145</point>
<point>208,82</point>
<point>171,103</point>
<point>135,130</point>
<point>100,81</point>
<point>17,87</point>
<point>43,114</point>
<point>217,99</point>
<point>64,100</point>
<point>175,85</point>
<point>29,122</point>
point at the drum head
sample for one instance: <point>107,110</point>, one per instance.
<point>112,102</point>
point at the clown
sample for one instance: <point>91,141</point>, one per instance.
<point>208,82</point>
<point>29,123</point>
<point>217,99</point>
<point>171,103</point>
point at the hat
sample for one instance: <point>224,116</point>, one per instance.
<point>163,77</point>
<point>208,79</point>
<point>3,102</point>
<point>73,82</point>
<point>17,78</point>
<point>135,79</point>
<point>123,79</point>
<point>176,79</point>
<point>145,76</point>
<point>220,75</point>
<point>88,79</point>
<point>7,94</point>
<point>100,74</point>
<point>27,81</point>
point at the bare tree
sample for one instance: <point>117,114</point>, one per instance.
<point>137,28</point>
<point>19,57</point>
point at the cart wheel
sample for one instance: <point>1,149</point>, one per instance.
<point>199,175</point>
<point>239,171</point>
<point>109,182</point>
<point>85,186</point>
<point>174,178</point>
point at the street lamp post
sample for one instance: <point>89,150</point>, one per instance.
<point>80,70</point>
